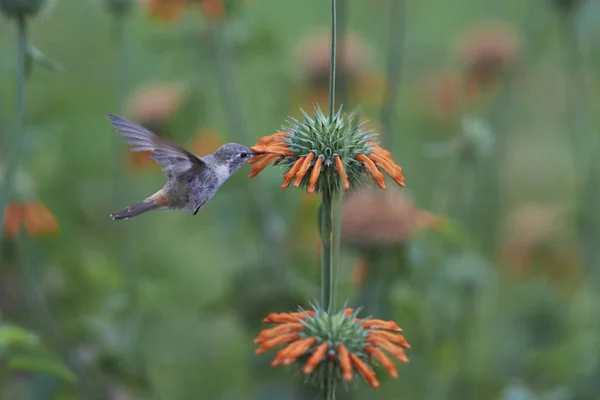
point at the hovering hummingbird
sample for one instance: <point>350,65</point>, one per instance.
<point>191,180</point>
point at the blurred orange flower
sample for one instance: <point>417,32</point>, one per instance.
<point>155,103</point>
<point>34,216</point>
<point>169,10</point>
<point>383,218</point>
<point>316,339</point>
<point>206,141</point>
<point>485,50</point>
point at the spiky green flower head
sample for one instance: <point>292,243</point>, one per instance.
<point>21,8</point>
<point>331,346</point>
<point>326,154</point>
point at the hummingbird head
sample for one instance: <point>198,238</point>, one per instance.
<point>233,155</point>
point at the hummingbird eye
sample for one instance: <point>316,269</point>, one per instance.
<point>244,155</point>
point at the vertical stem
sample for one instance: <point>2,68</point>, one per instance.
<point>17,139</point>
<point>397,30</point>
<point>270,231</point>
<point>326,223</point>
<point>333,61</point>
<point>121,192</point>
<point>342,74</point>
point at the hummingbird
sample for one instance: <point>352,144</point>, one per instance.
<point>191,180</point>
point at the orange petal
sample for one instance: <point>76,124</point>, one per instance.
<point>281,354</point>
<point>372,168</point>
<point>394,350</point>
<point>276,137</point>
<point>393,170</point>
<point>303,314</point>
<point>348,312</point>
<point>314,175</point>
<point>278,330</point>
<point>304,168</point>
<point>394,338</point>
<point>287,178</point>
<point>364,370</point>
<point>342,172</point>
<point>379,324</point>
<point>257,158</point>
<point>389,366</point>
<point>316,358</point>
<point>281,149</point>
<point>276,341</point>
<point>299,349</point>
<point>262,164</point>
<point>345,364</point>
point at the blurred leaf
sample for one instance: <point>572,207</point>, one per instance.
<point>39,363</point>
<point>35,56</point>
<point>13,336</point>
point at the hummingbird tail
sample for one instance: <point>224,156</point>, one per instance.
<point>151,203</point>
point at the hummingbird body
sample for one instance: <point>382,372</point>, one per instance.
<point>191,180</point>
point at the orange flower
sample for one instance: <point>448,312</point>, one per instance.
<point>169,10</point>
<point>320,153</point>
<point>206,141</point>
<point>312,339</point>
<point>34,217</point>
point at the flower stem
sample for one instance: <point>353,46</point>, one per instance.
<point>333,61</point>
<point>271,231</point>
<point>394,68</point>
<point>326,229</point>
<point>17,139</point>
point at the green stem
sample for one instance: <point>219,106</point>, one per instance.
<point>18,137</point>
<point>326,228</point>
<point>330,384</point>
<point>342,75</point>
<point>271,233</point>
<point>396,35</point>
<point>333,61</point>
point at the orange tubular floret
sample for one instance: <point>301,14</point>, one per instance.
<point>396,339</point>
<point>345,364</point>
<point>300,348</point>
<point>389,366</point>
<point>364,370</point>
<point>372,168</point>
<point>282,318</point>
<point>278,330</point>
<point>262,164</point>
<point>316,358</point>
<point>304,168</point>
<point>379,324</point>
<point>342,172</point>
<point>273,149</point>
<point>303,314</point>
<point>394,350</point>
<point>287,178</point>
<point>276,137</point>
<point>276,341</point>
<point>393,170</point>
<point>282,354</point>
<point>348,312</point>
<point>314,175</point>
<point>257,158</point>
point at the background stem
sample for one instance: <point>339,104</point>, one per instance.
<point>18,137</point>
<point>394,69</point>
<point>272,236</point>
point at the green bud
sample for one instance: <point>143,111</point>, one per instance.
<point>21,8</point>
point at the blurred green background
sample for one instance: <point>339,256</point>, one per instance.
<point>494,127</point>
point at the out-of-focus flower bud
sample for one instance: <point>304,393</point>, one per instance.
<point>21,8</point>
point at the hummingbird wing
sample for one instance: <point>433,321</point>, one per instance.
<point>173,158</point>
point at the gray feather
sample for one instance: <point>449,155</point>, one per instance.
<point>173,158</point>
